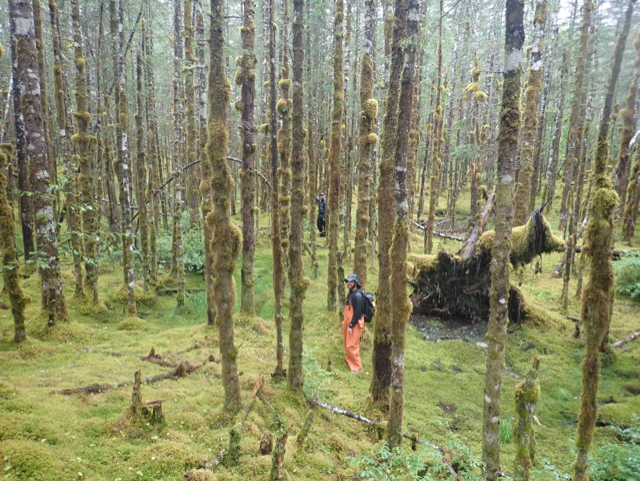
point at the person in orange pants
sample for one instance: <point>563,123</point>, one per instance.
<point>353,323</point>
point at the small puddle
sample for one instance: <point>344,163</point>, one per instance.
<point>438,330</point>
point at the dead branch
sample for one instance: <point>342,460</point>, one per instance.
<point>629,338</point>
<point>182,370</point>
<point>440,234</point>
<point>469,247</point>
<point>153,358</point>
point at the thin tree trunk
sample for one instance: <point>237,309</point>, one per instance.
<point>367,140</point>
<point>31,142</point>
<point>335,149</point>
<point>84,148</point>
<point>597,297</point>
<point>246,78</point>
<point>141,177</point>
<point>297,279</point>
<point>227,238</point>
<point>499,298</point>
<point>534,83</point>
<point>406,27</point>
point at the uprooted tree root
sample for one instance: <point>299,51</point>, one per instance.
<point>454,287</point>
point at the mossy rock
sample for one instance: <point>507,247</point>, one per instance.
<point>61,333</point>
<point>97,311</point>
<point>164,457</point>
<point>133,323</point>
<point>200,475</point>
<point>121,296</point>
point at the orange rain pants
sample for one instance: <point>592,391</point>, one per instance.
<point>352,341</point>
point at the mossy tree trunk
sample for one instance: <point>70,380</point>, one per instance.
<point>283,107</point>
<point>123,162</point>
<point>527,396</point>
<point>529,132</point>
<point>548,192</point>
<point>312,165</point>
<point>179,206</point>
<point>10,260</point>
<point>499,298</point>
<point>406,45</point>
<point>575,122</point>
<point>633,199</point>
<point>276,244</point>
<point>297,279</point>
<point>227,238</point>
<point>70,182</point>
<point>84,148</point>
<point>436,163</point>
<point>152,149</point>
<point>628,129</point>
<point>597,297</point>
<point>333,162</point>
<point>141,177</point>
<point>31,140</point>
<point>367,139</point>
<point>381,375</point>
<point>246,79</point>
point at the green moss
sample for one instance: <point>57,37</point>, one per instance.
<point>133,323</point>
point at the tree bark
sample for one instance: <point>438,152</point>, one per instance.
<point>597,297</point>
<point>499,298</point>
<point>333,162</point>
<point>31,141</point>
<point>246,79</point>
<point>227,238</point>
<point>297,279</point>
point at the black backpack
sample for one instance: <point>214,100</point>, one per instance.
<point>369,306</point>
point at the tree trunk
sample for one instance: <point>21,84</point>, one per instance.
<point>529,132</point>
<point>406,27</point>
<point>575,123</point>
<point>527,397</point>
<point>333,162</point>
<point>246,78</point>
<point>141,177</point>
<point>84,148</point>
<point>31,142</point>
<point>499,298</point>
<point>227,238</point>
<point>597,297</point>
<point>10,260</point>
<point>628,129</point>
<point>437,137</point>
<point>367,140</point>
<point>381,375</point>
<point>297,279</point>
<point>276,244</point>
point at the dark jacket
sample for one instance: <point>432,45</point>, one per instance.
<point>322,205</point>
<point>356,299</point>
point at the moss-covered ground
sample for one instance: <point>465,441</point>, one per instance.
<point>48,436</point>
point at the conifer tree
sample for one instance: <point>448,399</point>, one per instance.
<point>31,142</point>
<point>335,150</point>
<point>84,148</point>
<point>297,279</point>
<point>499,298</point>
<point>227,239</point>
<point>529,132</point>
<point>405,45</point>
<point>246,79</point>
<point>597,297</point>
<point>367,139</point>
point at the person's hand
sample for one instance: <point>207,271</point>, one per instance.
<point>350,331</point>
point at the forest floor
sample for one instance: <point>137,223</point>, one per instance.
<point>45,435</point>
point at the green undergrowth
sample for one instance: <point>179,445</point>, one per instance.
<point>46,435</point>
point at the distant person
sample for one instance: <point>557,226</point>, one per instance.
<point>353,323</point>
<point>322,207</point>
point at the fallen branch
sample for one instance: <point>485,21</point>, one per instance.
<point>182,370</point>
<point>469,247</point>
<point>440,234</point>
<point>151,357</point>
<point>629,338</point>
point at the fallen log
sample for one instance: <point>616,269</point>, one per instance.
<point>153,358</point>
<point>629,338</point>
<point>182,370</point>
<point>458,285</point>
<point>358,417</point>
<point>440,234</point>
